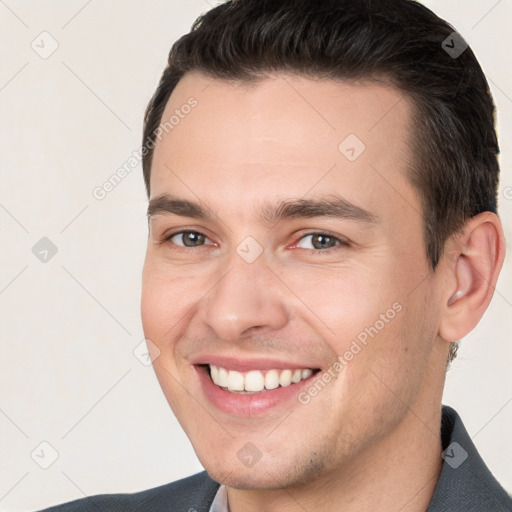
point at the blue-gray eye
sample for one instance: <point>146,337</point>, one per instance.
<point>188,238</point>
<point>319,241</point>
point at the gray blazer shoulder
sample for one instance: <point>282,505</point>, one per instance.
<point>192,494</point>
<point>465,483</point>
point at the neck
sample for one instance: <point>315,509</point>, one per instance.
<point>397,472</point>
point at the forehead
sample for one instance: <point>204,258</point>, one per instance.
<point>284,135</point>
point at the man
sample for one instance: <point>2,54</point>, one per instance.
<point>322,180</point>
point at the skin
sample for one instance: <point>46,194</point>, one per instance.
<point>370,438</point>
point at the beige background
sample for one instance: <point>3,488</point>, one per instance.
<point>68,375</point>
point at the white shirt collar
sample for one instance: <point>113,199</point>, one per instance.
<point>220,502</point>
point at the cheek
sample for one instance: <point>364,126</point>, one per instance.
<point>340,302</point>
<point>164,302</point>
<point>165,307</point>
<point>390,368</point>
<point>361,314</point>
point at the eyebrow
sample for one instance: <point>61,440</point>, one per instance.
<point>332,206</point>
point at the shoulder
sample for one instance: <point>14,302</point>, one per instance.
<point>465,483</point>
<point>195,492</point>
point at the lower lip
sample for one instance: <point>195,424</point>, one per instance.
<point>254,404</point>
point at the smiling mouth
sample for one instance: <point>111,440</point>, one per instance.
<point>256,381</point>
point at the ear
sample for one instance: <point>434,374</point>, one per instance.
<point>473,261</point>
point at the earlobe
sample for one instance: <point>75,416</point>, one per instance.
<point>474,270</point>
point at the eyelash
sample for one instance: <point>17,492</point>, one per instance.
<point>342,243</point>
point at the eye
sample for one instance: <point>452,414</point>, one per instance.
<point>187,239</point>
<point>321,242</point>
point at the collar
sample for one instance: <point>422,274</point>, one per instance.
<point>220,502</point>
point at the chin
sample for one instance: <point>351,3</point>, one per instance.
<point>251,479</point>
<point>263,476</point>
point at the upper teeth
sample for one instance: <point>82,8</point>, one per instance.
<point>256,380</point>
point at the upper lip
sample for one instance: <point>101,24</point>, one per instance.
<point>243,365</point>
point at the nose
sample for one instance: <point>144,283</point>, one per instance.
<point>248,298</point>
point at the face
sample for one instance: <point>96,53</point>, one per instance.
<point>286,291</point>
